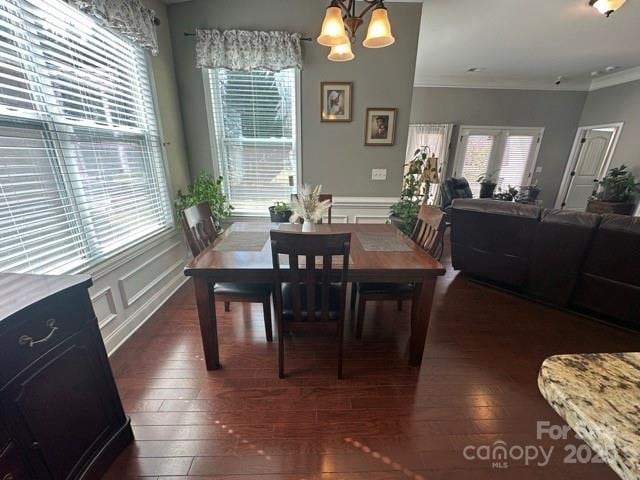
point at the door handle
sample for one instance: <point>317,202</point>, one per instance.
<point>30,342</point>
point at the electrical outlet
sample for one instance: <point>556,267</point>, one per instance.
<point>378,174</point>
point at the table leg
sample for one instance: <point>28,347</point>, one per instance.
<point>208,324</point>
<point>420,314</point>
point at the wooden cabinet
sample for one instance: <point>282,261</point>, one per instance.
<point>59,407</point>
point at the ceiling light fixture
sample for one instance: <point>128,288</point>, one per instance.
<point>606,7</point>
<point>341,23</point>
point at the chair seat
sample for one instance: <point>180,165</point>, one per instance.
<point>334,303</point>
<point>390,288</point>
<point>242,289</point>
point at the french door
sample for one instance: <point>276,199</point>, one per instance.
<point>507,154</point>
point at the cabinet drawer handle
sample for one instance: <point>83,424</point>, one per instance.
<point>30,342</point>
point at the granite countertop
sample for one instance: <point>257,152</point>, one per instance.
<point>598,394</point>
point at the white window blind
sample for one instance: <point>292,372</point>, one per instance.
<point>507,154</point>
<point>515,159</point>
<point>81,171</point>
<point>476,159</point>
<point>254,117</point>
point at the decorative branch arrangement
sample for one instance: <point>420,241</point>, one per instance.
<point>307,205</point>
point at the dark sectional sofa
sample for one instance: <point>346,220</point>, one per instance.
<point>580,261</point>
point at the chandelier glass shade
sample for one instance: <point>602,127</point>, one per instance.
<point>333,32</point>
<point>379,32</point>
<point>606,7</point>
<point>341,53</point>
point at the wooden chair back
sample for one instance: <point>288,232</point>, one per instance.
<point>309,278</point>
<point>323,197</point>
<point>199,227</point>
<point>429,229</point>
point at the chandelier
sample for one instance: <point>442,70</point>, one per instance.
<point>606,7</point>
<point>341,23</point>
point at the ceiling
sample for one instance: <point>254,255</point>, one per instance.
<point>525,43</point>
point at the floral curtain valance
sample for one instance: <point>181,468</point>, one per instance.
<point>248,50</point>
<point>127,17</point>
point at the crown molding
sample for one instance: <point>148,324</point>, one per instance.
<point>616,78</point>
<point>497,84</point>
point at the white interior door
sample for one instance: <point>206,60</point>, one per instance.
<point>591,158</point>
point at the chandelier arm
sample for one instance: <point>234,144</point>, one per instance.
<point>343,6</point>
<point>371,5</point>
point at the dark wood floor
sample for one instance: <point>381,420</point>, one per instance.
<point>385,420</point>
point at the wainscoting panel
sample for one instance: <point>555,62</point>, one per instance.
<point>349,210</point>
<point>104,306</point>
<point>362,209</point>
<point>130,287</point>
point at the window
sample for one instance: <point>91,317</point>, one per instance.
<point>254,120</point>
<point>81,171</point>
<point>507,154</point>
<point>437,137</point>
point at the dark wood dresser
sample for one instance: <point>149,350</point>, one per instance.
<point>60,413</point>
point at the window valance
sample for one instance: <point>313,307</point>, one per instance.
<point>129,18</point>
<point>248,50</point>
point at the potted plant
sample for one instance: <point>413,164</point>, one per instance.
<point>487,184</point>
<point>510,195</point>
<point>421,171</point>
<point>614,193</point>
<point>280,212</point>
<point>205,188</point>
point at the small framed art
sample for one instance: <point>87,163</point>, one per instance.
<point>336,101</point>
<point>380,126</point>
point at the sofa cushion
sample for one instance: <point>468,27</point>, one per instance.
<point>610,280</point>
<point>492,239</point>
<point>561,242</point>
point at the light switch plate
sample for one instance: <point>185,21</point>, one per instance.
<point>378,174</point>
<point>538,169</point>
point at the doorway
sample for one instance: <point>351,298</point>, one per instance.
<point>588,162</point>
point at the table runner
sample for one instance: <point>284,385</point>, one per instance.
<point>382,242</point>
<point>242,241</point>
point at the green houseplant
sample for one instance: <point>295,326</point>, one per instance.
<point>280,212</point>
<point>614,193</point>
<point>421,171</point>
<point>205,188</point>
<point>509,195</point>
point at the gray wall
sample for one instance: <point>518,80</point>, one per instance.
<point>168,103</point>
<point>333,155</point>
<point>558,112</point>
<point>620,103</point>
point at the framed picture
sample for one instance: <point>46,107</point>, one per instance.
<point>380,126</point>
<point>336,101</point>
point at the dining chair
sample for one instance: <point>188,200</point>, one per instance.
<point>427,234</point>
<point>322,198</point>
<point>298,294</point>
<point>199,228</point>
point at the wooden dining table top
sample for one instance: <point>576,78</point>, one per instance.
<point>410,264</point>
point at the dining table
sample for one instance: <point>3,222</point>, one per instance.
<point>380,253</point>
